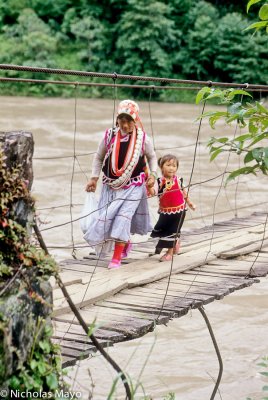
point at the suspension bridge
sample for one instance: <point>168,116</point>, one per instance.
<point>127,303</point>
<point>124,304</point>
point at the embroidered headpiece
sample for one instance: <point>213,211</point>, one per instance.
<point>130,108</point>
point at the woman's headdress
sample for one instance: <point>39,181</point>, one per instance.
<point>130,108</point>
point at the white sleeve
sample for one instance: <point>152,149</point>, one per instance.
<point>98,159</point>
<point>150,154</point>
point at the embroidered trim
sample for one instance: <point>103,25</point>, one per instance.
<point>172,210</point>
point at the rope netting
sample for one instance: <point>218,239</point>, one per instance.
<point>76,168</point>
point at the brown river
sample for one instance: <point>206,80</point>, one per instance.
<point>178,358</point>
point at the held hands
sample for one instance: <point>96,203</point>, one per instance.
<point>150,182</point>
<point>91,185</point>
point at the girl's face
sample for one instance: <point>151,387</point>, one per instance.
<point>169,168</point>
<point>126,125</point>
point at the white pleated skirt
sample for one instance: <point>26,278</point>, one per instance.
<point>121,213</point>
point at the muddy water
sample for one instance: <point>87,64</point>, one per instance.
<point>182,359</point>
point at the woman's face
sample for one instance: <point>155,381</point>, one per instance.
<point>169,168</point>
<point>126,124</point>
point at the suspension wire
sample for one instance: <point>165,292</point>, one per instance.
<point>145,197</point>
<point>182,217</point>
<point>95,84</point>
<point>258,252</point>
<point>150,113</point>
<point>204,315</point>
<point>236,188</point>
<point>199,186</point>
<point>12,67</point>
<point>102,244</point>
<point>84,325</point>
<point>94,152</point>
<point>216,198</point>
<point>59,157</point>
<point>10,282</point>
<point>73,170</point>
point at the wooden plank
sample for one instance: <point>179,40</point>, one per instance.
<point>240,282</point>
<point>75,332</point>
<point>95,294</point>
<point>242,249</point>
<point>217,292</point>
<point>130,327</point>
<point>68,361</point>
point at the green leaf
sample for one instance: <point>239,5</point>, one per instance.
<point>215,154</point>
<point>216,93</point>
<point>52,381</point>
<point>253,125</point>
<point>241,171</point>
<point>251,2</point>
<point>261,108</point>
<point>33,364</point>
<point>214,118</point>
<point>234,108</point>
<point>258,153</point>
<point>265,388</point>
<point>257,25</point>
<point>42,367</point>
<point>249,157</point>
<point>263,13</point>
<point>200,95</point>
<point>233,93</point>
<point>223,140</point>
<point>45,346</point>
<point>264,373</point>
<point>242,138</point>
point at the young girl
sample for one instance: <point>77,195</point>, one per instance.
<point>122,157</point>
<point>172,206</point>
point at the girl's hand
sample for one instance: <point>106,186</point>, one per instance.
<point>192,206</point>
<point>91,185</point>
<point>150,181</point>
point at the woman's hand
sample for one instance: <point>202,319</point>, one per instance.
<point>92,185</point>
<point>150,181</point>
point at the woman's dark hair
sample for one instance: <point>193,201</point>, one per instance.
<point>167,157</point>
<point>127,116</point>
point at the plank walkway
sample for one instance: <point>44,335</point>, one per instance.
<point>129,302</point>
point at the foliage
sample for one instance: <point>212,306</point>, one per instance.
<point>181,38</point>
<point>31,37</point>
<point>252,116</point>
<point>15,247</point>
<point>199,49</point>
<point>145,33</point>
<point>263,364</point>
<point>263,16</point>
<point>236,62</point>
<point>42,371</point>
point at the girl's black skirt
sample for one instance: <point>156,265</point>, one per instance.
<point>168,228</point>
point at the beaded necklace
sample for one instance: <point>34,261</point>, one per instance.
<point>116,150</point>
<point>130,162</point>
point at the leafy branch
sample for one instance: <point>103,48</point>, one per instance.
<point>263,16</point>
<point>251,116</point>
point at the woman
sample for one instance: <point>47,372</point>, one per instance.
<point>122,156</point>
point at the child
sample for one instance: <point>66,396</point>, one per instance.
<point>122,156</point>
<point>172,206</point>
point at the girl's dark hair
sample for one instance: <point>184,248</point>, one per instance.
<point>167,157</point>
